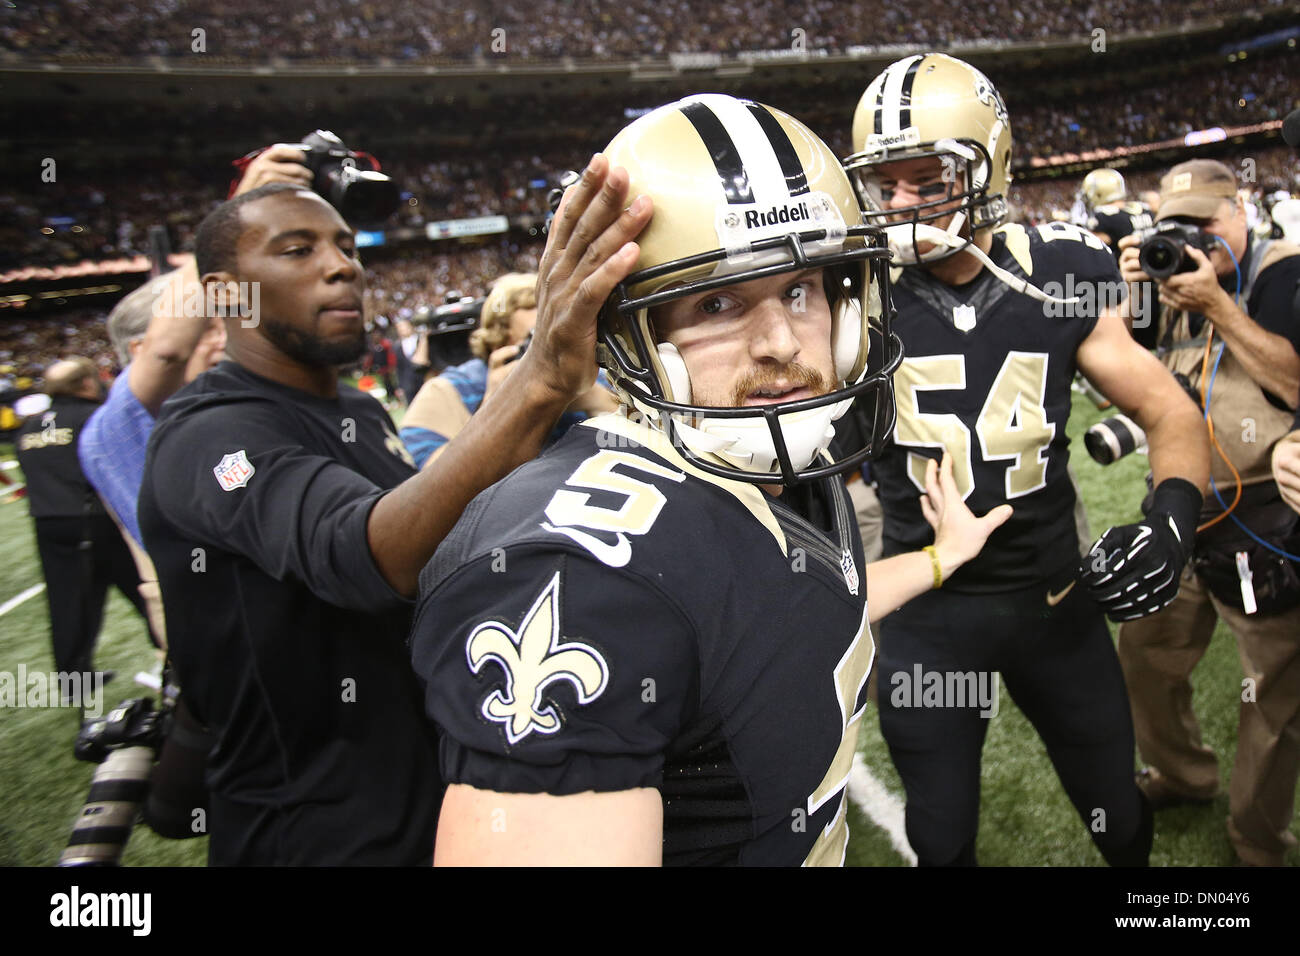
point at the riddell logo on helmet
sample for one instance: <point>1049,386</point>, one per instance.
<point>907,137</point>
<point>754,218</point>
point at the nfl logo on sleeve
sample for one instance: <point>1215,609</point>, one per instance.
<point>234,470</point>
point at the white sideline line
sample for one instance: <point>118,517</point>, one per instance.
<point>13,602</point>
<point>883,808</point>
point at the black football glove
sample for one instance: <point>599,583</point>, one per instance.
<point>1134,570</point>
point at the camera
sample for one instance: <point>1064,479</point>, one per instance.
<point>523,347</point>
<point>1111,439</point>
<point>1164,248</point>
<point>448,327</point>
<point>124,743</point>
<point>349,180</point>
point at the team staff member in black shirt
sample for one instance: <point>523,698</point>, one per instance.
<point>289,527</point>
<point>82,552</point>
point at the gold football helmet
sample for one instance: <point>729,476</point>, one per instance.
<point>1102,187</point>
<point>742,191</point>
<point>933,105</point>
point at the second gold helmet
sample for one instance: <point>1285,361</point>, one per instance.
<point>934,105</point>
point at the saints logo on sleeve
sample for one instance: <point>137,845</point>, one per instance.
<point>531,660</point>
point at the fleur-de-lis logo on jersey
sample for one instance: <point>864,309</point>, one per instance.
<point>533,659</point>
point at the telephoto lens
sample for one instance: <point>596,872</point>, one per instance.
<point>117,790</point>
<point>1111,439</point>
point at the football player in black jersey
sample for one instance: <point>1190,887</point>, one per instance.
<point>1109,214</point>
<point>651,644</point>
<point>995,319</point>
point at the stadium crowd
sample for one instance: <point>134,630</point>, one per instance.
<point>109,215</point>
<point>400,282</point>
<point>327,31</point>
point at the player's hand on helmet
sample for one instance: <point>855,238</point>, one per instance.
<point>958,534</point>
<point>589,250</point>
<point>280,163</point>
<point>1135,569</point>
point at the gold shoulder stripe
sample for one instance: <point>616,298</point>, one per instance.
<point>751,496</point>
<point>1018,245</point>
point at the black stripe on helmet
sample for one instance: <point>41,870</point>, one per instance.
<point>722,149</point>
<point>796,180</point>
<point>880,103</point>
<point>905,96</point>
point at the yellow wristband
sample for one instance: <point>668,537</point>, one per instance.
<point>934,565</point>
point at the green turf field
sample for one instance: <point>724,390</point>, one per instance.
<point>1025,817</point>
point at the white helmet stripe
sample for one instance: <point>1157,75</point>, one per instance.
<point>892,95</point>
<point>767,180</point>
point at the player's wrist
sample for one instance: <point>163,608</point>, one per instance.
<point>1181,500</point>
<point>946,558</point>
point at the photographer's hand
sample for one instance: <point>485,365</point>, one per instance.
<point>1197,291</point>
<point>280,163</point>
<point>1136,309</point>
<point>1286,469</point>
<point>1129,270</point>
<point>1268,358</point>
<point>500,364</point>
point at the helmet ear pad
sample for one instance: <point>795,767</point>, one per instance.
<point>675,374</point>
<point>848,343</point>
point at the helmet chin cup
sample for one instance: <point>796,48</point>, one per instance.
<point>903,235</point>
<point>675,374</point>
<point>747,443</point>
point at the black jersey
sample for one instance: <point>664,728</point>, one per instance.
<point>987,373</point>
<point>609,617</point>
<point>1118,220</point>
<point>288,641</point>
<point>47,452</point>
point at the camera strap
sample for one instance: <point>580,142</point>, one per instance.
<point>1256,252</point>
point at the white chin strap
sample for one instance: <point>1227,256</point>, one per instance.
<point>900,244</point>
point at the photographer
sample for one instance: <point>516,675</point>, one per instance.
<point>444,404</point>
<point>1229,331</point>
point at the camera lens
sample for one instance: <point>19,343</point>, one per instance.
<point>117,789</point>
<point>1159,257</point>
<point>364,197</point>
<point>1110,440</point>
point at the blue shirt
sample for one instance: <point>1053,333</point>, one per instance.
<point>470,381</point>
<point>111,450</point>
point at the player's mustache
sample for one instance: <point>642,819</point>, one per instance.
<point>794,375</point>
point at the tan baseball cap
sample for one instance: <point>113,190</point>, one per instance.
<point>1196,189</point>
